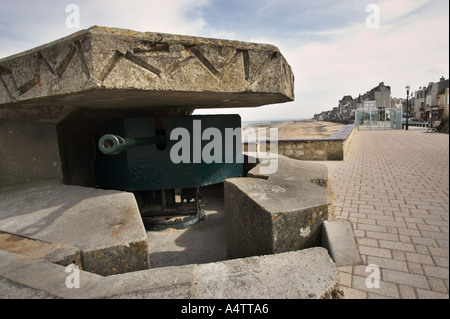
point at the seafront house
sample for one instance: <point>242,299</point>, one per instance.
<point>418,109</point>
<point>381,94</point>
<point>442,98</point>
<point>446,102</point>
<point>428,103</point>
<point>434,100</point>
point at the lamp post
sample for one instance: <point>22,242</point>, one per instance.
<point>407,106</point>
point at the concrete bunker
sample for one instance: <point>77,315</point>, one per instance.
<point>69,93</point>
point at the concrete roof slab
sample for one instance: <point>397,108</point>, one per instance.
<point>115,68</point>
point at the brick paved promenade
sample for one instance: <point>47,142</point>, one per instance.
<point>394,188</point>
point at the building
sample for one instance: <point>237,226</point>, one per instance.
<point>435,100</point>
<point>345,105</point>
<point>418,104</point>
<point>446,103</point>
<point>442,98</point>
<point>380,94</point>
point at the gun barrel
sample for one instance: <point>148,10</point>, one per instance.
<point>114,144</point>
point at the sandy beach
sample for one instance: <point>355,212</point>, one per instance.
<point>298,129</point>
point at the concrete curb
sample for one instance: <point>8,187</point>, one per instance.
<point>303,274</point>
<point>338,238</point>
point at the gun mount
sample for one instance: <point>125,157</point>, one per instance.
<point>165,166</point>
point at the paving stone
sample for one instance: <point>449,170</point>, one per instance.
<point>419,258</point>
<point>386,288</point>
<point>438,272</point>
<point>373,251</point>
<point>428,294</point>
<point>388,263</point>
<point>407,292</point>
<point>404,278</point>
<point>412,235</point>
<point>351,293</point>
<point>396,245</point>
<point>437,285</point>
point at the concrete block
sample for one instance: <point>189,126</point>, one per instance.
<point>304,274</point>
<point>105,226</point>
<point>158,283</point>
<point>275,213</point>
<point>338,238</point>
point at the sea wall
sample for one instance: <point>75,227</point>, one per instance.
<point>332,148</point>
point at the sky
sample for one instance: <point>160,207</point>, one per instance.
<point>334,48</point>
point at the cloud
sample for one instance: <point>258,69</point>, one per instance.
<point>410,47</point>
<point>392,11</point>
<point>174,16</point>
<point>330,49</point>
<point>407,50</point>
<point>27,24</point>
